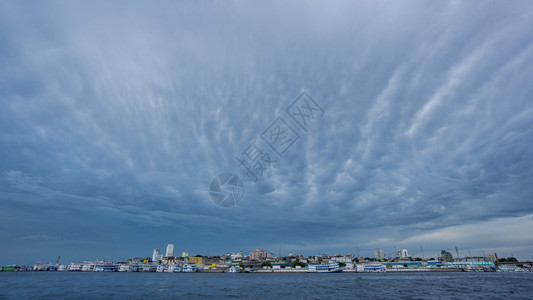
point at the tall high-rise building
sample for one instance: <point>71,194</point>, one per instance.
<point>155,255</point>
<point>184,254</point>
<point>258,254</point>
<point>378,253</point>
<point>404,253</point>
<point>170,250</point>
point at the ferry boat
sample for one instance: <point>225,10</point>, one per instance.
<point>511,269</point>
<point>371,268</point>
<point>332,267</point>
<point>123,268</point>
<point>88,266</point>
<point>234,269</point>
<point>75,267</point>
<point>62,268</point>
<point>147,268</point>
<point>8,269</point>
<point>190,268</point>
<point>160,268</point>
<point>106,267</point>
<point>172,269</point>
<point>37,267</point>
<point>134,268</point>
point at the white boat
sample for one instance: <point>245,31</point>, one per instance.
<point>37,267</point>
<point>75,267</point>
<point>172,269</point>
<point>88,266</point>
<point>190,268</point>
<point>134,268</point>
<point>331,267</point>
<point>511,269</point>
<point>123,268</point>
<point>147,268</point>
<point>62,268</point>
<point>106,267</point>
<point>160,268</point>
<point>371,268</point>
<point>234,269</point>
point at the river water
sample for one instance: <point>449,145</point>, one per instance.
<point>24,285</point>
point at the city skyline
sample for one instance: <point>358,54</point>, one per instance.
<point>118,121</point>
<point>261,254</point>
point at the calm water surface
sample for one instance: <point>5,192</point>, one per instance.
<point>24,285</point>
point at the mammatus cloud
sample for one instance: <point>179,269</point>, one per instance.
<point>114,118</point>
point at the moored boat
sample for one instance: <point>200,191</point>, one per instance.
<point>147,268</point>
<point>106,267</point>
<point>190,268</point>
<point>62,268</point>
<point>123,268</point>
<point>371,268</point>
<point>88,266</point>
<point>234,269</point>
<point>331,267</point>
<point>160,268</point>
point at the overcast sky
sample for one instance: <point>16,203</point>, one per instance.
<point>115,116</point>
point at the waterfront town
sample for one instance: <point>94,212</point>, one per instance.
<point>261,261</point>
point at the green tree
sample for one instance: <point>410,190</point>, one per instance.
<point>512,259</point>
<point>266,264</point>
<point>298,263</point>
<point>342,265</point>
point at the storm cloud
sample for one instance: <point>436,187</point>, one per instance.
<point>115,116</point>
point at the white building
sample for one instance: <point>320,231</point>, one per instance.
<point>343,259</point>
<point>378,254</point>
<point>155,255</point>
<point>404,253</point>
<point>184,254</point>
<point>235,255</point>
<point>170,250</point>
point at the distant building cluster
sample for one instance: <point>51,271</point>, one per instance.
<point>260,260</point>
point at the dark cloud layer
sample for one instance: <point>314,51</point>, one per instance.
<point>114,117</point>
